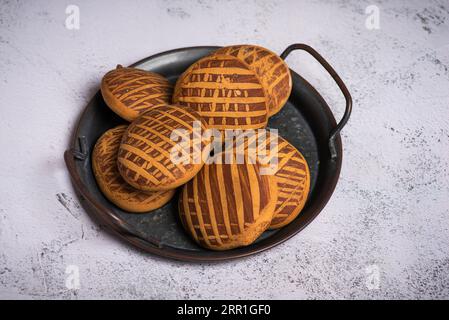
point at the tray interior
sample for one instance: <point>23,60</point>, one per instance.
<point>304,121</point>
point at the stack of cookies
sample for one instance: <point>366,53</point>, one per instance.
<point>206,136</point>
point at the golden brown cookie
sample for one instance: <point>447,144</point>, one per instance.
<point>129,91</point>
<point>289,170</point>
<point>151,159</point>
<point>271,70</point>
<point>291,175</point>
<point>104,165</point>
<point>227,205</point>
<point>293,181</point>
<point>225,92</point>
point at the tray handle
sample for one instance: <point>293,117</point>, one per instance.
<point>334,133</point>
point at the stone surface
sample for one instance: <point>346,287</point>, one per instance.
<point>388,216</point>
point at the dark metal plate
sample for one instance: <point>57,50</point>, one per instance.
<point>305,121</point>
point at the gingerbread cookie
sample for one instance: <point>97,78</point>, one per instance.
<point>290,172</point>
<point>104,165</point>
<point>129,91</point>
<point>272,71</point>
<point>225,92</point>
<point>227,205</point>
<point>161,149</point>
<point>287,166</point>
<point>293,182</point>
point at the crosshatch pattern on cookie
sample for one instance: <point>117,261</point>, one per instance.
<point>145,155</point>
<point>225,92</point>
<point>269,67</point>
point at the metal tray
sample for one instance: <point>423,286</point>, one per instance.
<point>306,121</point>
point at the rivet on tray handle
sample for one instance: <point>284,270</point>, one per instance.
<point>340,83</point>
<point>82,153</point>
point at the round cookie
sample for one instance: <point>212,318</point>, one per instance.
<point>129,91</point>
<point>225,92</point>
<point>293,182</point>
<point>227,205</point>
<point>290,172</point>
<point>152,158</point>
<point>272,71</point>
<point>104,165</point>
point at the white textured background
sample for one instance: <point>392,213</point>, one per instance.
<point>390,209</point>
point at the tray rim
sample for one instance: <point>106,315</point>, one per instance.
<point>120,228</point>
